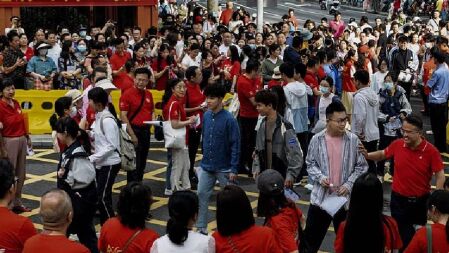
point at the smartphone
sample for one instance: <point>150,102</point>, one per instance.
<point>291,194</point>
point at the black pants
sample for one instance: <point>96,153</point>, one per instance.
<point>425,99</point>
<point>105,179</point>
<point>371,146</point>
<point>384,142</point>
<point>194,143</point>
<point>408,89</point>
<point>303,139</point>
<point>408,212</point>
<point>84,203</point>
<point>317,223</point>
<point>143,136</point>
<point>438,121</point>
<point>247,143</point>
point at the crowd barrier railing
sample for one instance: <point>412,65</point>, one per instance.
<point>38,106</point>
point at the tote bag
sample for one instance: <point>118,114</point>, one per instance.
<point>174,138</point>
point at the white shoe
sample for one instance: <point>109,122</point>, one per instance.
<point>168,192</point>
<point>429,132</point>
<point>308,187</point>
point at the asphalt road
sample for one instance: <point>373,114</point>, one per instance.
<point>41,177</point>
<point>303,11</point>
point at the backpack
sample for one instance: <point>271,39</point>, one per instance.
<point>127,150</point>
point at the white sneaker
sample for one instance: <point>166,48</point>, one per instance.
<point>168,192</point>
<point>429,132</point>
<point>308,187</point>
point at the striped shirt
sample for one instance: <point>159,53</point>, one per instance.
<point>353,164</point>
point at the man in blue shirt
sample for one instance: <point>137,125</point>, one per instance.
<point>221,150</point>
<point>439,85</point>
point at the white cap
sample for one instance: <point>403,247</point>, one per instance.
<point>354,24</point>
<point>105,84</point>
<point>43,45</point>
<point>74,94</point>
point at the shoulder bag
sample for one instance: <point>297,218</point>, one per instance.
<point>174,138</point>
<point>138,109</point>
<point>130,240</point>
<point>429,238</point>
<point>234,248</point>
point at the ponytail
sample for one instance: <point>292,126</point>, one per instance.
<point>182,208</point>
<point>177,230</point>
<point>53,119</point>
<point>84,140</point>
<point>439,200</point>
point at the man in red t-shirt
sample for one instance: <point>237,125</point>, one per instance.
<point>14,229</point>
<point>247,86</point>
<point>226,15</point>
<point>415,161</point>
<point>57,213</point>
<point>136,107</point>
<point>118,60</point>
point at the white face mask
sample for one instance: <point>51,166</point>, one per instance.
<point>428,45</point>
<point>73,111</point>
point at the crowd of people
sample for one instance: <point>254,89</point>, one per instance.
<point>321,105</point>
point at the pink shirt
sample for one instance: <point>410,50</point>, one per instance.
<point>334,147</point>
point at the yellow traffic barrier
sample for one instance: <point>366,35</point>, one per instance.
<point>39,106</point>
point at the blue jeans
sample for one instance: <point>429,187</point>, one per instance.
<point>168,171</point>
<point>206,182</point>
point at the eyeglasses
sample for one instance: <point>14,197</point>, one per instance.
<point>405,131</point>
<point>340,121</point>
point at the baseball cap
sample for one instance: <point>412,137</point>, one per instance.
<point>270,182</point>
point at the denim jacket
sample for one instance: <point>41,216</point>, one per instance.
<point>221,142</point>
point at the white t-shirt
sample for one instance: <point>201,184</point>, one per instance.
<point>324,103</point>
<point>195,243</point>
<point>54,53</point>
<point>189,62</point>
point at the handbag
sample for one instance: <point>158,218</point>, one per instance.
<point>174,138</point>
<point>405,76</point>
<point>234,107</point>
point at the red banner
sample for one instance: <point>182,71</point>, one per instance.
<point>56,3</point>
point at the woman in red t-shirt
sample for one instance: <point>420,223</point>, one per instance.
<point>281,214</point>
<point>366,229</point>
<point>236,229</point>
<point>133,208</point>
<point>163,67</point>
<point>174,111</point>
<point>26,50</point>
<point>231,67</point>
<point>195,104</point>
<point>438,211</point>
<point>15,137</point>
<point>348,81</point>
